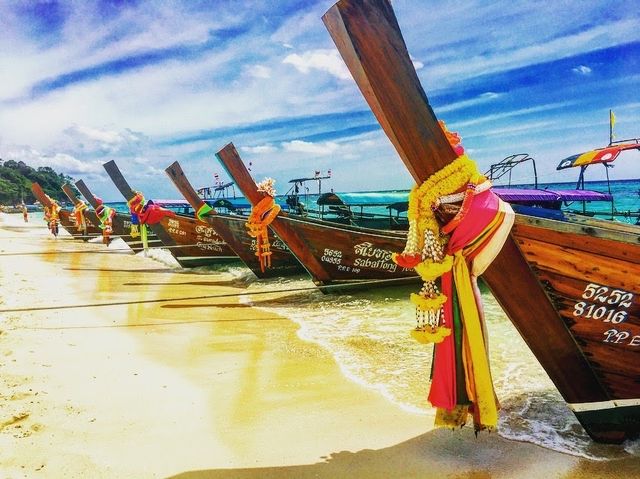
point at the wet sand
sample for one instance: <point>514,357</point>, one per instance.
<point>196,389</point>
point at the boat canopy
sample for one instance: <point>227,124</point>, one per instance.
<point>549,196</point>
<point>229,203</point>
<point>172,203</point>
<point>397,200</point>
<point>599,155</point>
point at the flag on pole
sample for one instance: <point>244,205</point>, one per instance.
<point>612,121</point>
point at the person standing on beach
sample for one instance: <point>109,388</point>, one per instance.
<point>25,213</point>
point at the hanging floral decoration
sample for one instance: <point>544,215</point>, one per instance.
<point>105,215</point>
<point>262,215</point>
<point>448,259</point>
<point>78,213</point>
<point>51,215</point>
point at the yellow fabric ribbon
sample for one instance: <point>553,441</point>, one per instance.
<point>478,374</point>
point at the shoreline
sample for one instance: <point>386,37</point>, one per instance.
<point>198,389</point>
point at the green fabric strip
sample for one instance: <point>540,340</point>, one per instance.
<point>458,331</point>
<point>204,210</point>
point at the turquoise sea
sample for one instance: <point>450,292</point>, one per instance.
<point>368,335</point>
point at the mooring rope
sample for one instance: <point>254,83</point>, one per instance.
<point>107,251</point>
<point>209,296</point>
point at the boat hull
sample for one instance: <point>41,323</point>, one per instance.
<point>68,222</point>
<point>233,230</point>
<point>349,255</point>
<point>193,243</point>
<point>590,269</point>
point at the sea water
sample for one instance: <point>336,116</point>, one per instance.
<point>368,335</point>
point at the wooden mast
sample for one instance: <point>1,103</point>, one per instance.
<point>368,37</point>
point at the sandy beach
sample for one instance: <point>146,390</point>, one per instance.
<point>138,387</point>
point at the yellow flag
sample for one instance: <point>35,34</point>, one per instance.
<point>612,121</point>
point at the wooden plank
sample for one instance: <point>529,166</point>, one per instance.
<point>368,37</point>
<point>605,237</point>
<point>592,267</point>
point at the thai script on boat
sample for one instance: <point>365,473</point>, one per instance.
<point>173,227</point>
<point>276,244</point>
<point>609,305</point>
<point>214,246</point>
<point>205,230</point>
<point>368,250</point>
<point>126,223</point>
<point>332,256</point>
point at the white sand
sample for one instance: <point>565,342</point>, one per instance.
<point>199,389</point>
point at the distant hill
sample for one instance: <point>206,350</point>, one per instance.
<point>16,178</point>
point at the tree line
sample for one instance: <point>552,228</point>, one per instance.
<point>16,178</point>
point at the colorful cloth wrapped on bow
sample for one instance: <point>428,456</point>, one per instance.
<point>456,254</point>
<point>51,216</point>
<point>78,213</point>
<point>144,213</point>
<point>105,215</point>
<point>262,215</point>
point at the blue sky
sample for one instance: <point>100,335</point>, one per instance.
<point>149,82</point>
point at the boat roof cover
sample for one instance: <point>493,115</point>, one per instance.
<point>599,155</point>
<point>548,196</point>
<point>389,199</point>
<point>229,203</point>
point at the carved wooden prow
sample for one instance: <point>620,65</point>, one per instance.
<point>123,186</point>
<point>118,179</point>
<point>40,195</point>
<point>86,192</point>
<point>68,190</point>
<point>177,176</point>
<point>367,34</point>
<point>230,159</point>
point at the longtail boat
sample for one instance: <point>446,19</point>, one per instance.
<point>232,229</point>
<point>334,254</point>
<point>121,223</point>
<point>570,287</point>
<point>189,243</point>
<point>64,216</point>
<point>86,221</point>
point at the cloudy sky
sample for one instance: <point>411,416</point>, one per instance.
<point>149,82</point>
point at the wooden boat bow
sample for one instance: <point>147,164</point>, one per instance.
<point>368,37</point>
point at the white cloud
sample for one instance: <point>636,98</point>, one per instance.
<point>259,71</point>
<point>300,146</point>
<point>417,64</point>
<point>258,150</point>
<point>582,70</point>
<point>90,139</point>
<point>60,162</point>
<point>483,98</point>
<point>323,60</point>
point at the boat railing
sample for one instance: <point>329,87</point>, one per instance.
<point>506,166</point>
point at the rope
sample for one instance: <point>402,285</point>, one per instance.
<point>109,251</point>
<point>207,296</point>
